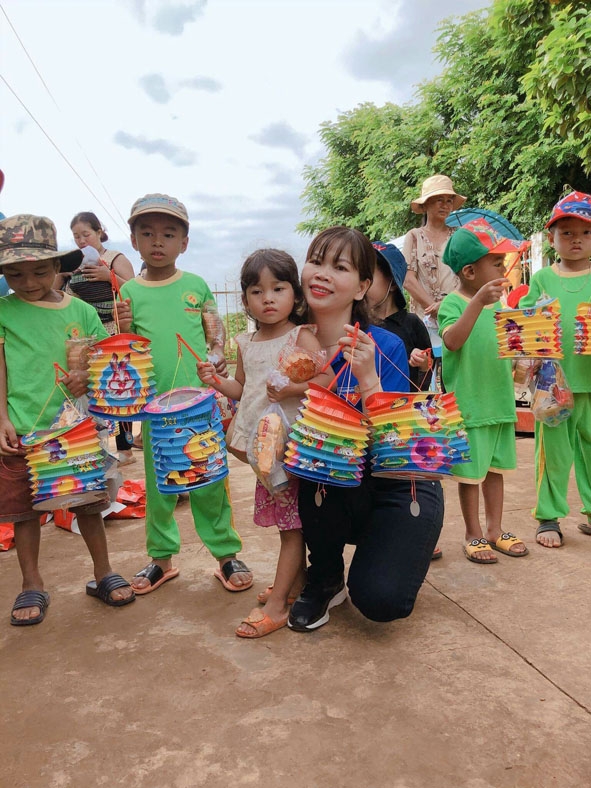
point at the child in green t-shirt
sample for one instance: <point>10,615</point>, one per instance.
<point>558,447</point>
<point>482,383</point>
<point>159,305</point>
<point>35,322</point>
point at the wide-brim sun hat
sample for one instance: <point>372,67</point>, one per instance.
<point>159,203</point>
<point>435,186</point>
<point>27,239</point>
<point>576,205</point>
<point>475,240</point>
<point>391,259</point>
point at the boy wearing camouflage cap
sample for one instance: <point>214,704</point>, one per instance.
<point>35,322</point>
<point>482,383</point>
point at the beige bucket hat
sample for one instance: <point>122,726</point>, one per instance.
<point>433,187</point>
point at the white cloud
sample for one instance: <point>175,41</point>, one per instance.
<point>180,157</point>
<point>281,135</point>
<point>166,17</point>
<point>155,87</point>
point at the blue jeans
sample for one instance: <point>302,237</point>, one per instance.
<point>393,550</point>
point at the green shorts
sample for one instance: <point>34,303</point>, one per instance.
<point>492,448</point>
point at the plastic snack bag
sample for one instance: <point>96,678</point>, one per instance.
<point>296,364</point>
<point>266,447</point>
<point>552,400</point>
<point>213,326</point>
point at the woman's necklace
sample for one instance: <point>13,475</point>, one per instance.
<point>578,289</point>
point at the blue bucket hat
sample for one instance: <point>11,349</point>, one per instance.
<point>396,265</point>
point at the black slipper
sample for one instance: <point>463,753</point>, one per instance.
<point>30,598</point>
<point>549,526</point>
<point>108,584</point>
<point>231,567</point>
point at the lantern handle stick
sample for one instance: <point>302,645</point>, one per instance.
<point>190,349</point>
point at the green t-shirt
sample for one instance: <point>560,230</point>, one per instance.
<point>482,382</point>
<point>34,336</point>
<point>161,310</point>
<point>556,284</point>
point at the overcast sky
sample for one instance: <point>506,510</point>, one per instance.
<point>217,102</point>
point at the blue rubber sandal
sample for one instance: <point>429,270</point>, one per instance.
<point>108,584</point>
<point>30,598</point>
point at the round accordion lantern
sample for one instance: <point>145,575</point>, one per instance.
<point>328,440</point>
<point>418,435</point>
<point>187,439</point>
<point>66,466</point>
<point>121,377</point>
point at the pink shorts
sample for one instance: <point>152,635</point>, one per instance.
<point>280,510</point>
<point>16,501</point>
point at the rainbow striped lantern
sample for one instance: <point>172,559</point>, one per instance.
<point>121,377</point>
<point>582,336</point>
<point>419,436</point>
<point>66,466</point>
<point>328,440</point>
<point>187,439</point>
<point>534,332</point>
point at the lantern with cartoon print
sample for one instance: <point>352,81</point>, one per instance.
<point>121,377</point>
<point>187,439</point>
<point>533,332</point>
<point>417,436</point>
<point>66,466</point>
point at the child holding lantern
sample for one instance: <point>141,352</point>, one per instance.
<point>482,383</point>
<point>273,298</point>
<point>35,322</point>
<point>157,305</point>
<point>558,447</point>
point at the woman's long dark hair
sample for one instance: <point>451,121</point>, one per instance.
<point>87,217</point>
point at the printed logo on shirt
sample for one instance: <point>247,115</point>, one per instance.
<point>191,302</point>
<point>74,331</point>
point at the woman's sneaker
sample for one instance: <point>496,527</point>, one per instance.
<point>310,610</point>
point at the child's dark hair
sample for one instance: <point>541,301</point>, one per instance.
<point>87,217</point>
<point>284,269</point>
<point>363,257</point>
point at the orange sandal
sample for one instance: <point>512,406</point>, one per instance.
<point>261,623</point>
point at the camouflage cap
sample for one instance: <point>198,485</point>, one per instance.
<point>26,238</point>
<point>159,203</point>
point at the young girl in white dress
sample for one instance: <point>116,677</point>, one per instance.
<point>272,296</point>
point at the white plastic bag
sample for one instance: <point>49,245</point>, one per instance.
<point>266,448</point>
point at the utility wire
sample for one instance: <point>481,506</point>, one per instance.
<point>124,226</point>
<point>80,178</point>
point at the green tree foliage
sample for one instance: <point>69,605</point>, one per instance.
<point>491,121</point>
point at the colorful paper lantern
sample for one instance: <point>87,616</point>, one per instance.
<point>534,332</point>
<point>121,377</point>
<point>328,440</point>
<point>66,466</point>
<point>187,439</point>
<point>582,336</point>
<point>418,436</point>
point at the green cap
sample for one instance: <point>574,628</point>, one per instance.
<point>475,240</point>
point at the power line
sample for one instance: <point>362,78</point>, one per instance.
<point>124,226</point>
<point>71,166</point>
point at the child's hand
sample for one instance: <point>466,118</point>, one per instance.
<point>207,372</point>
<point>420,358</point>
<point>124,314</point>
<point>76,381</point>
<point>491,292</point>
<point>9,443</point>
<point>221,365</point>
<point>277,393</point>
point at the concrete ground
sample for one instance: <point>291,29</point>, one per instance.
<point>486,685</point>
